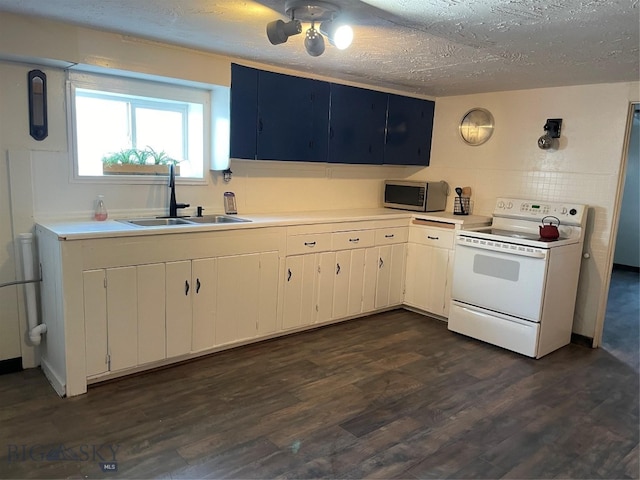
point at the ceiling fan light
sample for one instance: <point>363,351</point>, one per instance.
<point>279,32</point>
<point>314,42</point>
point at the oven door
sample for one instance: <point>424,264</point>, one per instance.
<point>501,277</point>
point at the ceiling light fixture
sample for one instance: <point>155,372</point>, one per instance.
<point>324,13</point>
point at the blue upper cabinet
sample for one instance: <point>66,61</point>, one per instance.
<point>293,118</point>
<point>244,112</point>
<point>357,125</point>
<point>283,117</point>
<point>409,128</point>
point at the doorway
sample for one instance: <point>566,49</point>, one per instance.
<point>621,331</point>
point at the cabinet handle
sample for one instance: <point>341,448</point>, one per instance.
<point>186,287</point>
<point>381,264</point>
<point>354,240</point>
<point>197,285</point>
<point>337,269</point>
<point>260,125</point>
<point>288,274</point>
<point>391,235</point>
<point>433,238</point>
<point>309,244</point>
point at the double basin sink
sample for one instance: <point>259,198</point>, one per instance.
<point>171,221</point>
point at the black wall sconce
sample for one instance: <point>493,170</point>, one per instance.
<point>552,132</point>
<point>38,127</point>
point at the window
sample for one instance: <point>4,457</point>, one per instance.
<point>116,120</point>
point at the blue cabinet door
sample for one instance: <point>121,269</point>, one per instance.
<point>409,128</point>
<point>293,118</point>
<point>357,125</point>
<point>244,112</point>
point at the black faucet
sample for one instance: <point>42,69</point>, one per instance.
<point>173,205</point>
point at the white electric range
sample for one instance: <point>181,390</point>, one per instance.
<point>513,288</point>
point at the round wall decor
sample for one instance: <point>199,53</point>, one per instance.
<point>476,126</point>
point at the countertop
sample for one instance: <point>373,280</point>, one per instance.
<point>82,230</point>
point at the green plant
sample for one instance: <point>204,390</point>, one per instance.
<point>136,156</point>
<point>160,158</point>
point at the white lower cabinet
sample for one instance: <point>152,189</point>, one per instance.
<point>429,269</point>
<point>140,314</point>
<point>246,297</point>
<point>124,317</point>
<point>308,289</point>
<point>390,275</point>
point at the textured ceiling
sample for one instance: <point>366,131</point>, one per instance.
<point>431,47</point>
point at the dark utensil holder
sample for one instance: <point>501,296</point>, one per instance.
<point>461,206</point>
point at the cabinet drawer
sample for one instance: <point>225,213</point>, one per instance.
<point>387,236</point>
<point>436,237</point>
<point>310,243</point>
<point>352,239</point>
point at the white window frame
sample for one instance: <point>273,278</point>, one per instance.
<point>143,88</point>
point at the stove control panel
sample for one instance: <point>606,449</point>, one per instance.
<point>567,213</point>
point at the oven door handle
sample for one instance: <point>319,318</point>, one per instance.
<point>507,249</point>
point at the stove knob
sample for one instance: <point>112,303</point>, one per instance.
<point>573,211</point>
<point>510,205</point>
<point>563,211</point>
<point>500,204</point>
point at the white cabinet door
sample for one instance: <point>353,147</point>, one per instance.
<point>237,309</point>
<point>247,296</point>
<point>178,309</point>
<point>150,286</point>
<point>326,280</point>
<point>122,317</point>
<point>204,294</point>
<point>390,280</point>
<point>341,287</point>
<point>371,263</point>
<point>348,290</point>
<point>299,290</point>
<point>95,321</point>
<point>356,282</point>
<point>428,279</point>
<point>268,300</point>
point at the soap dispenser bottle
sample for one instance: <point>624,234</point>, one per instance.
<point>101,209</point>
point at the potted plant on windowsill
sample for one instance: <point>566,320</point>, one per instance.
<point>135,161</point>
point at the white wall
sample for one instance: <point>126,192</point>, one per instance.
<point>584,169</point>
<point>628,240</point>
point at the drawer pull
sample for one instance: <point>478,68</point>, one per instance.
<point>354,240</point>
<point>309,244</point>
<point>389,235</point>
<point>433,238</point>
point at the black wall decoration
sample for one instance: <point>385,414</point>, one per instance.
<point>38,127</point>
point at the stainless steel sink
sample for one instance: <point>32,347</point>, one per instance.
<point>156,222</point>
<point>166,222</point>
<point>217,219</point>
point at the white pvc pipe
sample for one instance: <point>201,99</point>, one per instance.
<point>35,330</point>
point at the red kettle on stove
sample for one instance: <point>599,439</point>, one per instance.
<point>549,230</point>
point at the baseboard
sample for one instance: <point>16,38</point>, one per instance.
<point>581,340</point>
<point>11,365</point>
<point>57,383</point>
<point>628,268</point>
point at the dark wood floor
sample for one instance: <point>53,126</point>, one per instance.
<point>395,395</point>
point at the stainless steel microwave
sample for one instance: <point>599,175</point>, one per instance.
<point>416,196</point>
